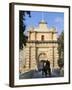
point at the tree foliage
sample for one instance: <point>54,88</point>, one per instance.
<point>22,27</point>
<point>61,50</point>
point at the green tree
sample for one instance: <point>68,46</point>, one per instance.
<point>61,50</point>
<point>22,27</point>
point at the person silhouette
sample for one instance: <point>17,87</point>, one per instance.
<point>48,67</point>
<point>44,70</point>
<point>43,67</point>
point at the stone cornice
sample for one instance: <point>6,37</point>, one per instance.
<point>53,41</point>
<point>43,31</point>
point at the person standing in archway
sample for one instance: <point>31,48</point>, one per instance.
<point>48,67</point>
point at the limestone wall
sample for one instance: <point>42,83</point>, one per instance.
<point>51,55</point>
<point>47,36</point>
<point>29,56</point>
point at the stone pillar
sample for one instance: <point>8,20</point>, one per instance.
<point>33,58</point>
<point>53,58</point>
<point>29,36</point>
<point>27,58</point>
<point>56,57</point>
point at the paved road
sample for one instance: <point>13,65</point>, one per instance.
<point>38,74</point>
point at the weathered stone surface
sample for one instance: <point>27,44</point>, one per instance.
<point>30,56</point>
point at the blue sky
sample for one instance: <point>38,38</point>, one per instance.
<point>53,19</point>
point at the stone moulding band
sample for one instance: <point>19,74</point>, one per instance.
<point>42,41</point>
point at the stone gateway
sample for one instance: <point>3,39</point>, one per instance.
<point>42,44</point>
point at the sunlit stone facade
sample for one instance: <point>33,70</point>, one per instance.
<point>41,45</point>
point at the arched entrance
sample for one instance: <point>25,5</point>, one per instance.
<point>42,58</point>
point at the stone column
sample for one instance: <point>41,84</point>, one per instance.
<point>29,35</point>
<point>56,57</point>
<point>33,57</point>
<point>27,58</point>
<point>53,58</point>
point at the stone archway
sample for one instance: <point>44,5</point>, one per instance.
<point>42,57</point>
